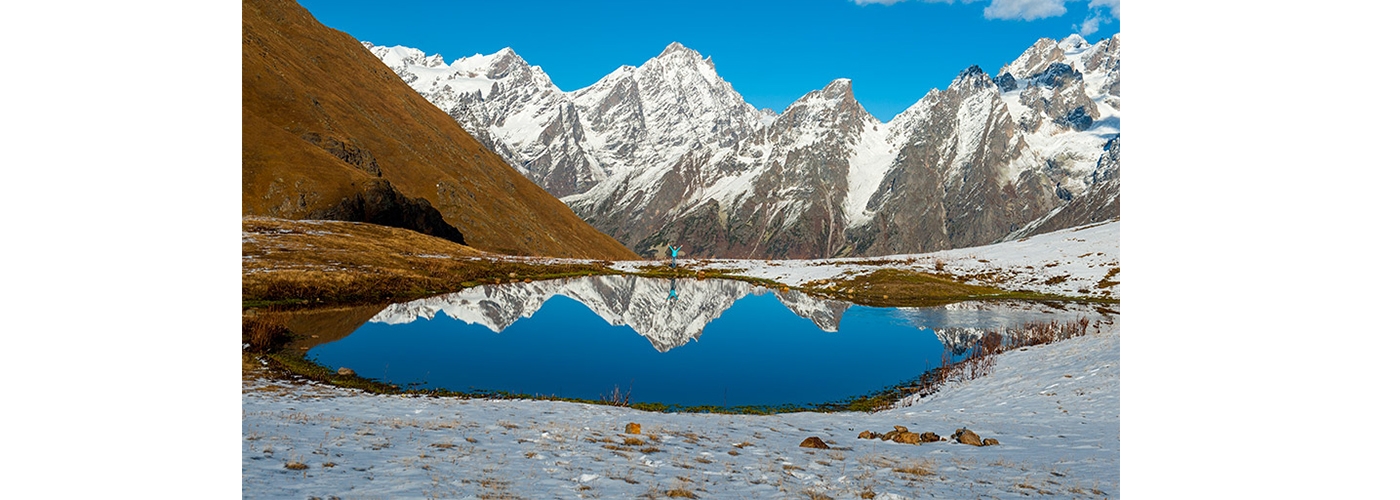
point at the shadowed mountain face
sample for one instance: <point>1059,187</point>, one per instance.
<point>645,305</point>
<point>330,132</point>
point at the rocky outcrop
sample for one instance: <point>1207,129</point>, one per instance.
<point>1099,204</point>
<point>814,442</point>
<point>378,202</point>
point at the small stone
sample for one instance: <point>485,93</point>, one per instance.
<point>814,442</point>
<point>511,275</point>
<point>989,442</point>
<point>868,435</point>
<point>928,437</point>
<point>345,372</point>
<point>527,280</point>
<point>901,428</point>
<point>634,428</point>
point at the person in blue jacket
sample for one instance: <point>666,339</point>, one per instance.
<point>675,250</point>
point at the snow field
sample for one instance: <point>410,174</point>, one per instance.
<point>1054,408</point>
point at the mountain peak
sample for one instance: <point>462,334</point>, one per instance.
<point>972,78</point>
<point>842,85</point>
<point>1073,41</point>
<point>676,47</point>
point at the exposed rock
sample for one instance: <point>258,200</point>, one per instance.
<point>1005,82</point>
<point>868,435</point>
<point>989,442</point>
<point>888,435</point>
<point>901,428</point>
<point>906,438</point>
<point>634,428</point>
<point>378,202</point>
<point>349,153</point>
<point>929,437</point>
<point>814,442</point>
<point>966,436</point>
<point>343,371</point>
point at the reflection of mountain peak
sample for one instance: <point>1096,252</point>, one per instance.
<point>825,313</point>
<point>643,304</point>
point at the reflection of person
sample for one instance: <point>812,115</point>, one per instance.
<point>673,295</point>
<point>674,251</point>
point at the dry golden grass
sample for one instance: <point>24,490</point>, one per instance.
<point>303,80</point>
<point>327,262</point>
<point>680,492</point>
<point>895,287</point>
<point>265,332</point>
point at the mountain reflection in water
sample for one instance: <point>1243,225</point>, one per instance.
<point>667,313</point>
<point>577,338</point>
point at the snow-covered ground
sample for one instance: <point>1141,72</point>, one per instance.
<point>1054,408</point>
<point>1067,262</point>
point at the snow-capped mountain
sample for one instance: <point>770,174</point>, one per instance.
<point>667,152</point>
<point>642,304</point>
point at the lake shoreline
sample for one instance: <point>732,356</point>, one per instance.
<point>294,264</point>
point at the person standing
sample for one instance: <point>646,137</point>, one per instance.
<point>675,250</point>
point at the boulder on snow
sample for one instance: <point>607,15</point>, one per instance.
<point>901,428</point>
<point>814,442</point>
<point>989,442</point>
<point>906,438</point>
<point>888,435</point>
<point>929,437</point>
<point>868,435</point>
<point>343,371</point>
<point>634,428</point>
<point>966,436</point>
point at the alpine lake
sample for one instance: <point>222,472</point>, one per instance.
<point>673,343</point>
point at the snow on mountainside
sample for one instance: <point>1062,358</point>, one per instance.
<point>668,152</point>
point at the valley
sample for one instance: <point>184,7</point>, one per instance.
<point>442,263</point>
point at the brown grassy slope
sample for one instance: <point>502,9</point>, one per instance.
<point>302,78</point>
<point>319,263</point>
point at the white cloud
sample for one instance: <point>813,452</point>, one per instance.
<point>1029,10</point>
<point>1111,4</point>
<point>1090,26</point>
<point>1026,10</point>
<point>892,2</point>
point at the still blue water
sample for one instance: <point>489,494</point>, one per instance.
<point>756,352</point>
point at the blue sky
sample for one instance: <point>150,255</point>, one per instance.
<point>771,52</point>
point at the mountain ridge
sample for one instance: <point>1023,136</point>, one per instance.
<point>668,152</point>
